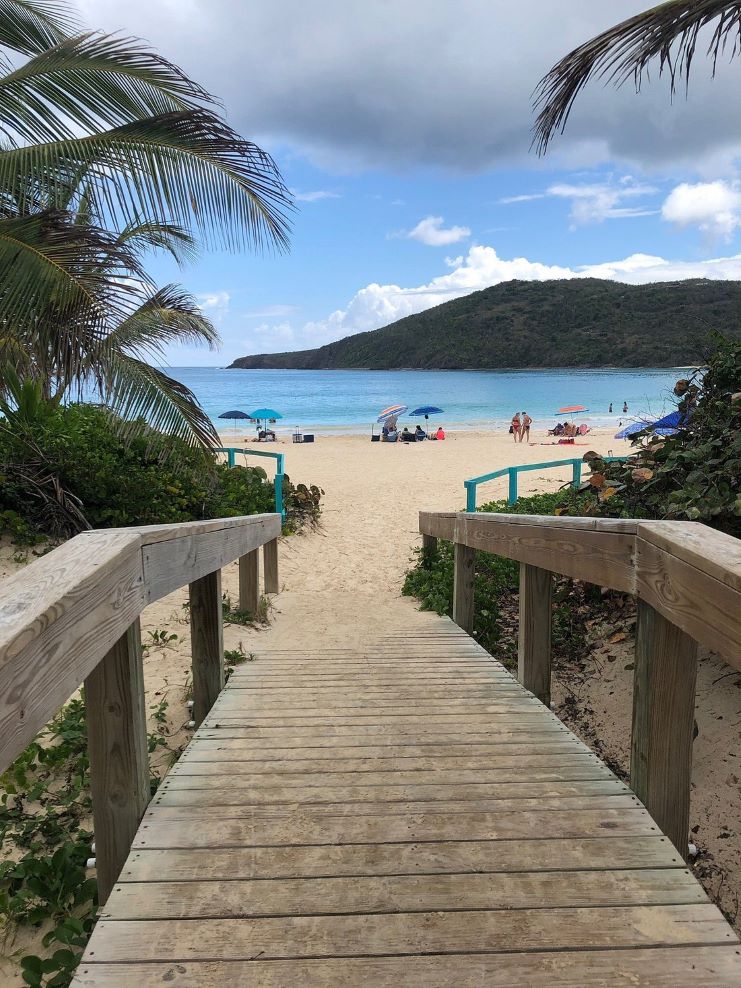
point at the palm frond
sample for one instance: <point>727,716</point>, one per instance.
<point>49,265</point>
<point>180,244</point>
<point>31,26</point>
<point>188,169</point>
<point>91,82</point>
<point>668,32</point>
<point>139,391</point>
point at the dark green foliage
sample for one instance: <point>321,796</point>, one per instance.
<point>74,469</point>
<point>585,322</point>
<point>694,475</point>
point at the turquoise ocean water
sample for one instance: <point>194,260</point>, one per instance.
<point>349,401</point>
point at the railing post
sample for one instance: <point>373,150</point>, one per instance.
<point>429,550</point>
<point>470,486</point>
<point>270,566</point>
<point>463,581</point>
<point>249,582</point>
<point>576,481</point>
<point>534,638</point>
<point>512,495</point>
<point>663,722</point>
<point>231,458</point>
<point>206,643</point>
<point>119,762</point>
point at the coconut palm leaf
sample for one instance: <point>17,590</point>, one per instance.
<point>51,266</point>
<point>187,168</point>
<point>90,82</point>
<point>181,245</point>
<point>668,32</point>
<point>32,26</point>
<point>139,391</point>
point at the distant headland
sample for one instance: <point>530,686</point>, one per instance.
<point>584,322</point>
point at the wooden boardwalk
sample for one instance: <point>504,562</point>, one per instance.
<point>406,815</point>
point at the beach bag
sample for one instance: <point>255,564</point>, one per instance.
<point>511,429</point>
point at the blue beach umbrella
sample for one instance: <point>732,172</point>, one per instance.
<point>265,413</point>
<point>234,414</point>
<point>427,410</point>
<point>666,426</point>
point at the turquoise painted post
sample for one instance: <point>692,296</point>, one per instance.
<point>512,471</point>
<point>231,457</point>
<point>577,473</point>
<point>278,482</point>
<point>470,495</point>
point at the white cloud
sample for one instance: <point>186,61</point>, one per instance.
<point>378,305</point>
<point>431,231</point>
<point>315,196</point>
<point>713,207</point>
<point>271,311</point>
<point>214,302</point>
<point>595,202</point>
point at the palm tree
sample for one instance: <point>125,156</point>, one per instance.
<point>668,31</point>
<point>109,150</point>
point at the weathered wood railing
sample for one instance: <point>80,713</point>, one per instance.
<point>72,617</point>
<point>687,579</point>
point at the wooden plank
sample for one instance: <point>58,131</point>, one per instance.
<point>663,721</point>
<point>401,894</point>
<point>58,618</point>
<point>705,608</point>
<point>601,556</point>
<point>655,967</point>
<point>363,758</point>
<point>264,832</point>
<point>409,933</point>
<point>588,792</point>
<point>291,699</point>
<point>249,582</point>
<point>381,714</point>
<point>392,771</point>
<point>451,857</point>
<point>119,761</point>
<point>150,534</point>
<point>442,520</point>
<point>207,643</point>
<point>713,552</point>
<point>534,637</point>
<point>177,561</point>
<point>463,584</point>
<point>297,737</point>
<point>270,565</point>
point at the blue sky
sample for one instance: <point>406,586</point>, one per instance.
<point>403,131</point>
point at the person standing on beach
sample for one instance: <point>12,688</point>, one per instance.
<point>525,430</point>
<point>515,427</point>
<point>625,408</point>
<point>610,409</point>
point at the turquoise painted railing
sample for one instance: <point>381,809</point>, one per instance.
<point>513,473</point>
<point>231,458</point>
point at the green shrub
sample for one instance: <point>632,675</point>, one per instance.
<point>75,469</point>
<point>694,475</point>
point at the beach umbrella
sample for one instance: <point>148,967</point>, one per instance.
<point>265,413</point>
<point>427,410</point>
<point>234,414</point>
<point>393,411</point>
<point>567,409</point>
<point>669,425</point>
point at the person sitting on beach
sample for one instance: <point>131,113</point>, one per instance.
<point>557,430</point>
<point>440,434</point>
<point>515,427</point>
<point>420,433</point>
<point>525,428</point>
<point>407,436</point>
<point>391,436</point>
<point>266,436</point>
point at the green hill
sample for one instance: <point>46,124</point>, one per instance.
<point>580,323</point>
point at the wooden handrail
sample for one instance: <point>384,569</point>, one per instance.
<point>687,578</point>
<point>72,617</point>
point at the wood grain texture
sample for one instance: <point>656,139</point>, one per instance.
<point>663,720</point>
<point>270,566</point>
<point>171,564</point>
<point>673,967</point>
<point>249,582</point>
<point>534,635</point>
<point>58,618</point>
<point>463,583</point>
<point>207,643</point>
<point>119,761</point>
